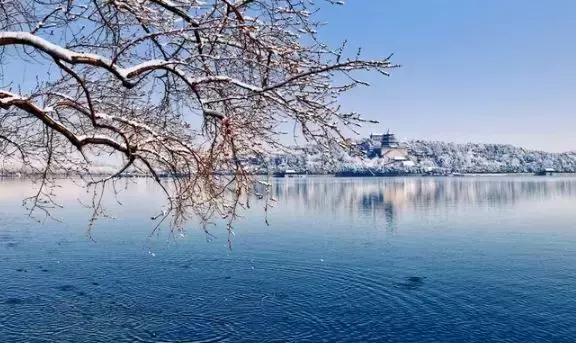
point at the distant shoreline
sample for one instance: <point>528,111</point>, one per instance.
<point>559,174</point>
<point>362,174</point>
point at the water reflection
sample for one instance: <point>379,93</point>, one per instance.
<point>388,197</point>
<point>310,279</point>
<point>385,200</point>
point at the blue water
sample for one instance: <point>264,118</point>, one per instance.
<point>343,260</point>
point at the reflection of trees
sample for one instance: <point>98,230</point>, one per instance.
<point>385,197</point>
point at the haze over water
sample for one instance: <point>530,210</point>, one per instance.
<point>344,260</point>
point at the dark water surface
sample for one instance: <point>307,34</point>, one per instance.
<point>344,260</point>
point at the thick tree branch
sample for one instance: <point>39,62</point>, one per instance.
<point>126,78</point>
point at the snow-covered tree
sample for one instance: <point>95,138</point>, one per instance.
<point>128,78</point>
<point>488,158</point>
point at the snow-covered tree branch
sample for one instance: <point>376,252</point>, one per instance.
<point>183,88</point>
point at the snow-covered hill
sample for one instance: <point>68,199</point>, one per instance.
<point>488,158</point>
<point>441,157</point>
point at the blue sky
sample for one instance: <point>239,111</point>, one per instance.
<point>495,71</point>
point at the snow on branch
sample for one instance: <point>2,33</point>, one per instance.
<point>182,89</point>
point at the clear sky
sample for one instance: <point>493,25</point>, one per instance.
<point>492,71</point>
<point>495,71</point>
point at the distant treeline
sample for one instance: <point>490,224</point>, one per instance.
<point>439,158</point>
<point>488,158</point>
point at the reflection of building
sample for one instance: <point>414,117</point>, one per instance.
<point>319,194</point>
<point>387,200</point>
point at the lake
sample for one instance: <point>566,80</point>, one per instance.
<point>344,260</point>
